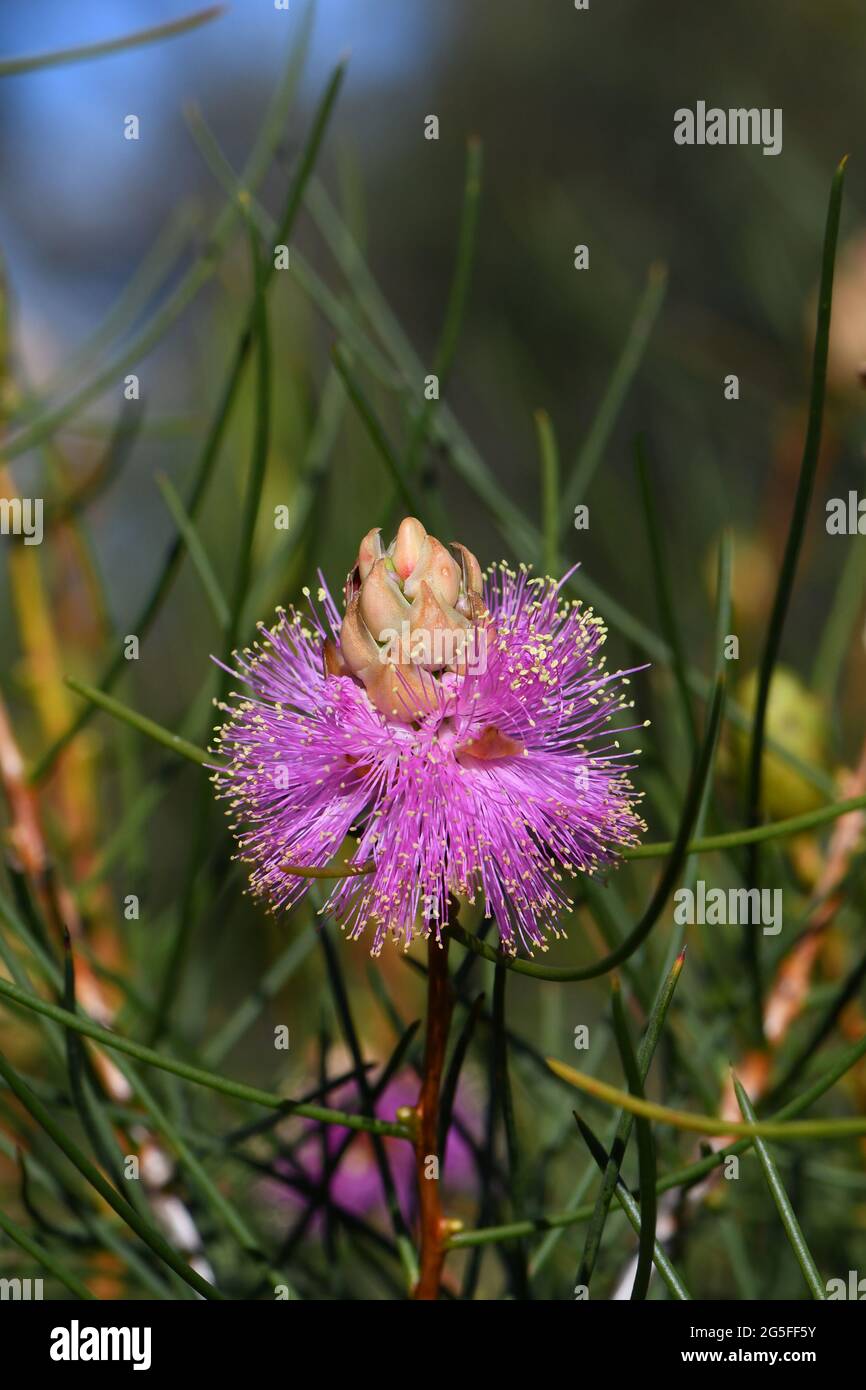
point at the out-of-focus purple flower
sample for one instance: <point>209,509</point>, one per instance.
<point>461,731</point>
<point>356,1185</point>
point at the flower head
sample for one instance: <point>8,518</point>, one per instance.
<point>459,728</point>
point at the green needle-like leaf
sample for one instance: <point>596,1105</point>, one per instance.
<point>455,307</point>
<point>614,1162</point>
<point>183,294</point>
<point>760,834</point>
<point>195,547</point>
<point>808,468</point>
<point>196,1075</point>
<point>838,635</point>
<point>633,1212</point>
<point>709,1124</point>
<point>664,593</point>
<point>782,1200</point>
<point>593,447</point>
<point>148,1233</point>
<point>44,1258</point>
<point>452,1075</point>
<point>258,163</point>
<point>224,1210</point>
<point>847,991</point>
<point>549,454</point>
<point>389,1188</point>
<point>178,745</point>
<point>94,1122</point>
<point>503,1097</point>
<point>683,1177</point>
<point>275,978</point>
<point>13,67</point>
<point>376,431</point>
<point>646,1151</point>
<point>259,456</point>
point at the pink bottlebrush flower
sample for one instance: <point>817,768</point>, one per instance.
<point>459,728</point>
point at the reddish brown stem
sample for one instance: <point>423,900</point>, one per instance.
<point>427,1112</point>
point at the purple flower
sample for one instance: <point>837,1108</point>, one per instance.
<point>459,728</point>
<point>356,1184</point>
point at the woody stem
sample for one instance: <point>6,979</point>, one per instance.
<point>427,1111</point>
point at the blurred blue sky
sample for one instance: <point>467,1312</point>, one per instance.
<point>82,203</point>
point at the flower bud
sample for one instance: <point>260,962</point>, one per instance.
<point>407,546</point>
<point>413,613</point>
<point>357,644</point>
<point>400,692</point>
<point>383,606</point>
<point>369,551</point>
<point>438,569</point>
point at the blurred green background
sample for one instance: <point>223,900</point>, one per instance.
<point>575,114</point>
